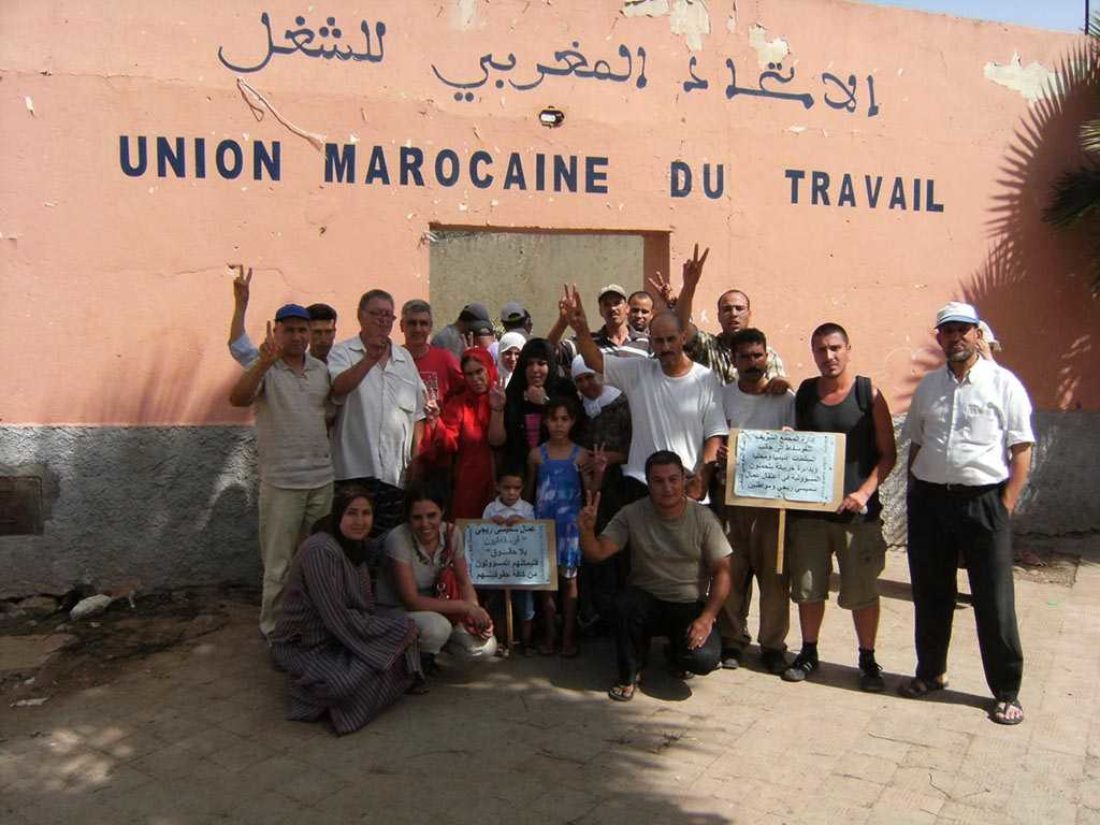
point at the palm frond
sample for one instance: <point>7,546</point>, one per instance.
<point>1076,197</point>
<point>1090,136</point>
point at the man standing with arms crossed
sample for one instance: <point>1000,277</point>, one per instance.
<point>842,402</point>
<point>970,454</point>
<point>290,390</point>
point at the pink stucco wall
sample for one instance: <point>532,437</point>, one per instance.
<point>115,287</point>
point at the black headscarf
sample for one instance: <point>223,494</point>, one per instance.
<point>536,349</point>
<point>356,551</point>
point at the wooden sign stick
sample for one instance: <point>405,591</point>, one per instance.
<point>779,542</point>
<point>508,632</point>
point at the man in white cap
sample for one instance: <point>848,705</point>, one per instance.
<point>969,426</point>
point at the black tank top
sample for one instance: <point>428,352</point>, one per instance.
<point>854,420</point>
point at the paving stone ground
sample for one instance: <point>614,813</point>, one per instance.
<point>195,734</point>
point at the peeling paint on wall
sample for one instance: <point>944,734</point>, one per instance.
<point>688,18</point>
<point>731,21</point>
<point>1033,81</point>
<point>464,14</point>
<point>767,51</point>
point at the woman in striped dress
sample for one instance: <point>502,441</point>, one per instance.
<point>343,659</point>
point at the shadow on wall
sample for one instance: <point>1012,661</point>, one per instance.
<point>1033,289</point>
<point>161,506</point>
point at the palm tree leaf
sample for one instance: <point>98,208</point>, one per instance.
<point>1090,136</point>
<point>1076,197</point>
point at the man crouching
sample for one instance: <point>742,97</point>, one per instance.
<point>679,574</point>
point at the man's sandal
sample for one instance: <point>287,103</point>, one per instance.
<point>624,693</point>
<point>917,688</point>
<point>1003,708</point>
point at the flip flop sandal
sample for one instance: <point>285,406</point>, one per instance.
<point>1000,712</point>
<point>622,693</point>
<point>917,688</point>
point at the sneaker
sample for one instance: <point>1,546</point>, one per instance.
<point>731,658</point>
<point>774,661</point>
<point>800,668</point>
<point>870,678</point>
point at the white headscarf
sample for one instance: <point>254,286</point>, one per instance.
<point>509,340</point>
<point>592,406</point>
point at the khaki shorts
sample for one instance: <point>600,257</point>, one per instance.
<point>860,554</point>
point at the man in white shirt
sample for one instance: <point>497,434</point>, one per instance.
<point>971,439</point>
<point>381,399</point>
<point>754,531</point>
<point>674,403</point>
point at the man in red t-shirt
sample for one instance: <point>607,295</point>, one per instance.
<point>440,373</point>
<point>438,367</point>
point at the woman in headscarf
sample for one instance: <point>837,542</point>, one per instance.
<point>508,354</point>
<point>608,428</point>
<point>537,378</point>
<point>342,658</point>
<point>462,430</point>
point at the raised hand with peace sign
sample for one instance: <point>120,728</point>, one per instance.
<point>586,518</point>
<point>270,350</point>
<point>693,268</point>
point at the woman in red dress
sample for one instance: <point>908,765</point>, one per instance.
<point>462,430</point>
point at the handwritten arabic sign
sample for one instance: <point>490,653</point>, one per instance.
<point>301,40</point>
<point>521,557</point>
<point>793,470</point>
<point>328,42</point>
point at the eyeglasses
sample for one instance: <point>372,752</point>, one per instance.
<point>381,315</point>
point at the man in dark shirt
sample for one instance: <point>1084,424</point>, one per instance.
<point>841,401</point>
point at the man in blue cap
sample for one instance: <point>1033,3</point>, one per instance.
<point>290,392</point>
<point>970,430</point>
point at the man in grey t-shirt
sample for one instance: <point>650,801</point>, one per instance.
<point>679,574</point>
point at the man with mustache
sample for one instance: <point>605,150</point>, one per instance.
<point>734,314</point>
<point>673,401</point>
<point>970,430</point>
<point>754,531</point>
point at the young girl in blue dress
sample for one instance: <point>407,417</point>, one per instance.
<point>559,471</point>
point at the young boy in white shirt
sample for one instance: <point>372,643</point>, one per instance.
<point>506,510</point>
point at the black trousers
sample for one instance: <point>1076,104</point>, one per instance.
<point>973,523</point>
<point>640,616</point>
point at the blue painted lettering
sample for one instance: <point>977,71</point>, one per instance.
<point>411,161</point>
<point>229,147</point>
<point>167,157</point>
<point>795,176</point>
<point>679,179</point>
<point>129,168</point>
<point>514,176</point>
<point>595,180</point>
<point>714,192</point>
<point>377,168</point>
<point>478,158</point>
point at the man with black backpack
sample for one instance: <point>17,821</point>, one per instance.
<point>841,402</point>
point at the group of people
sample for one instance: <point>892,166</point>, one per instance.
<point>619,436</point>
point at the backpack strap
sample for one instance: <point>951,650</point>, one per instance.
<point>864,393</point>
<point>804,400</point>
